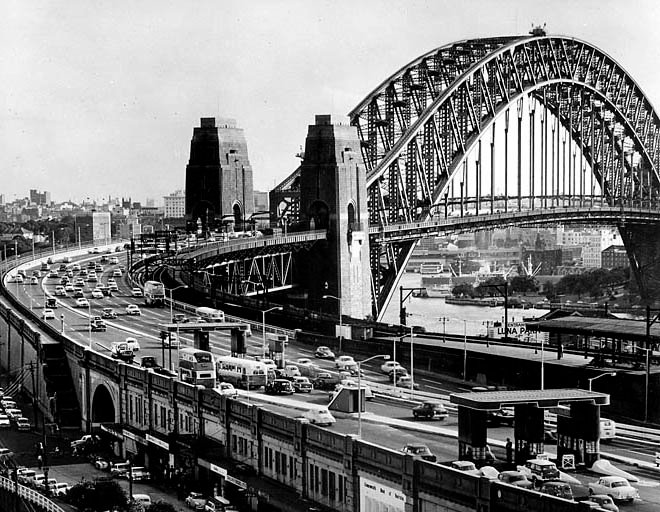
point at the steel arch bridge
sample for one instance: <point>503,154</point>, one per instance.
<point>563,125</point>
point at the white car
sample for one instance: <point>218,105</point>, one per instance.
<point>136,292</point>
<point>116,272</point>
<point>97,293</point>
<point>388,366</point>
<point>133,309</point>
<point>345,362</point>
<point>48,314</point>
<point>225,388</point>
<point>4,421</point>
<point>321,417</point>
<point>615,486</point>
<point>82,302</point>
<point>133,344</point>
<point>60,489</point>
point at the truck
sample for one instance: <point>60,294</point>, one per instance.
<point>154,294</point>
<point>210,314</point>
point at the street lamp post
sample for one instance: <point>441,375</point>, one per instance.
<point>464,350</point>
<point>412,374</point>
<point>341,325</point>
<point>608,374</point>
<point>89,319</point>
<point>62,320</point>
<point>386,357</point>
<point>263,326</point>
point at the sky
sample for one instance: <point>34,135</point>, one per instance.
<point>100,97</point>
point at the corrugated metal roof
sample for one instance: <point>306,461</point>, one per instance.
<point>633,330</point>
<point>494,400</point>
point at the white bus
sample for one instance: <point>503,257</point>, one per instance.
<point>241,372</point>
<point>210,314</point>
<point>196,367</point>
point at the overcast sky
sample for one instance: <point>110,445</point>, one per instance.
<point>101,97</point>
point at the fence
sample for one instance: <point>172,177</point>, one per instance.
<point>30,495</point>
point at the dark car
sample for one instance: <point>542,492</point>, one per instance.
<point>179,318</point>
<point>515,478</point>
<point>420,451</point>
<point>504,416</point>
<point>148,362</point>
<point>280,387</point>
<point>98,325</point>
<point>325,381</point>
<point>558,489</point>
<point>430,410</point>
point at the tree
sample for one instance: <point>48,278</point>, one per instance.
<point>97,496</point>
<point>523,284</point>
<point>464,290</point>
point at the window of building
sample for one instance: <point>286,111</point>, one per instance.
<point>340,488</point>
<point>324,482</point>
<point>331,486</point>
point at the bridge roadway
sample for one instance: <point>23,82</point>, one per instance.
<point>387,421</point>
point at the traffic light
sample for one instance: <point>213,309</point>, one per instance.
<point>402,316</point>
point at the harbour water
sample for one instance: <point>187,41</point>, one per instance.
<point>429,312</point>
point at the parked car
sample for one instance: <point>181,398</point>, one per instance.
<point>119,468</point>
<point>604,501</point>
<point>219,504</point>
<point>101,463</point>
<point>515,478</point>
<point>196,501</point>
<point>420,451</point>
<point>84,440</point>
<point>279,387</point>
<point>22,423</point>
<point>323,352</point>
<point>558,489</point>
<point>60,489</point>
<point>302,385</point>
<point>430,410</point>
<point>618,488</point>
<point>133,309</point>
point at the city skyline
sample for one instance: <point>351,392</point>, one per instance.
<point>102,102</point>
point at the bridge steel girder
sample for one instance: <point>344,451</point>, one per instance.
<point>466,85</point>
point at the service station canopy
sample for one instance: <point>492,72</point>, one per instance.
<point>203,326</point>
<point>545,399</point>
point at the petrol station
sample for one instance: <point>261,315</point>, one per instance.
<point>578,428</point>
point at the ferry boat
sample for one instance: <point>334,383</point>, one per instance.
<point>472,301</point>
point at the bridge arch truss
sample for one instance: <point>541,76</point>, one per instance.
<point>563,125</point>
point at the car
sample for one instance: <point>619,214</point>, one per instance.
<point>319,416</point>
<point>303,360</point>
<point>291,371</point>
<point>116,273</point>
<point>226,388</point>
<point>397,373</point>
<point>557,489</point>
<point>78,293</point>
<point>97,325</point>
<point>75,267</point>
<point>279,387</point>
<point>430,410</point>
<point>179,318</point>
<point>78,281</point>
<point>108,313</point>
<point>132,343</point>
<point>60,489</point>
<point>4,421</point>
<point>505,415</point>
<point>515,478</point>
<point>407,382</point>
<point>465,466</point>
<point>419,451</point>
<point>136,292</point>
<point>539,471</point>
<point>119,468</point>
<point>604,501</point>
<point>617,487</point>
<point>26,476</point>
<point>133,309</point>
<point>52,274</point>
<point>144,500</point>
<point>196,501</point>
<point>13,413</point>
<point>97,293</point>
<point>48,314</point>
<point>34,280</point>
<point>60,291</point>
<point>138,473</point>
<point>302,385</point>
<point>323,352</point>
<point>82,302</point>
<point>388,366</point>
<point>69,287</point>
<point>345,362</point>
<point>90,439</point>
<point>22,423</point>
<point>114,260</point>
<point>112,287</point>
<point>219,504</point>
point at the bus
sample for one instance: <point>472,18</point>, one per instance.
<point>154,294</point>
<point>210,314</point>
<point>241,372</point>
<point>197,367</point>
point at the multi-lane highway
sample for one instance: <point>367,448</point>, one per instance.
<point>387,423</point>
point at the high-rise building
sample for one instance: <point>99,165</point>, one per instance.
<point>175,205</point>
